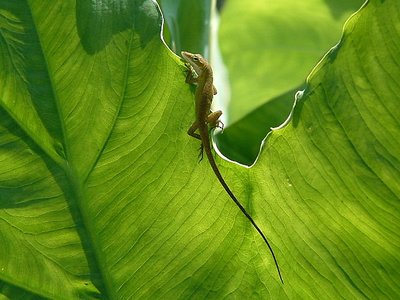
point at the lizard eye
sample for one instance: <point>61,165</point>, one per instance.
<point>195,58</point>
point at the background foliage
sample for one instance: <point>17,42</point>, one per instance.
<point>276,45</point>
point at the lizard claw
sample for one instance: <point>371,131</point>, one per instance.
<point>220,125</point>
<point>201,153</point>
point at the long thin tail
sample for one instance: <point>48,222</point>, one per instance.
<point>233,197</point>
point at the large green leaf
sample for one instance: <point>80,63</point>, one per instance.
<point>101,194</point>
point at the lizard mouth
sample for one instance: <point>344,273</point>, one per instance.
<point>188,58</point>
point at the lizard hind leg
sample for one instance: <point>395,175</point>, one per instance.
<point>213,120</point>
<point>201,151</point>
<point>213,117</point>
<point>192,129</point>
<point>191,132</point>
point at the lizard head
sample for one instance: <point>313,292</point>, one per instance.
<point>195,60</point>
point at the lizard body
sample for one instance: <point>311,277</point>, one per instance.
<point>205,92</point>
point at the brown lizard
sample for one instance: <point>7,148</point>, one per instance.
<point>205,92</point>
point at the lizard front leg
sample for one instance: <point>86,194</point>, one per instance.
<point>190,77</point>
